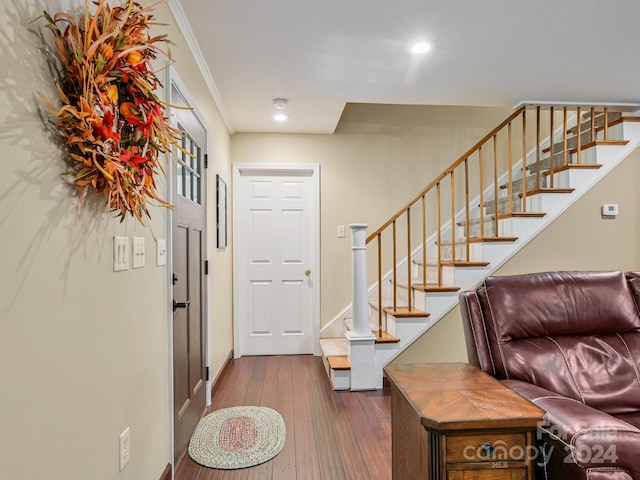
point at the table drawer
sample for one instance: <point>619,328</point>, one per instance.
<point>486,447</point>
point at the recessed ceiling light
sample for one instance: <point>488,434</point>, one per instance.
<point>420,47</point>
<point>280,117</point>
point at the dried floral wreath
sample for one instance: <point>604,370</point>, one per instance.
<point>111,120</point>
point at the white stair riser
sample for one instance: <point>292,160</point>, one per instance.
<point>406,327</point>
<point>391,325</point>
<point>448,274</point>
<point>476,231</point>
<point>434,302</point>
<point>630,130</point>
<point>340,379</point>
<point>475,249</point>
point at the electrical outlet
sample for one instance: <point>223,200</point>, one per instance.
<point>138,252</point>
<point>125,448</point>
<point>120,253</point>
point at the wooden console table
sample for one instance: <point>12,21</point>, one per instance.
<point>451,421</point>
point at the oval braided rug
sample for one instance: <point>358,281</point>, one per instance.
<point>237,437</point>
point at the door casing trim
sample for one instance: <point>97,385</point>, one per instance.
<point>312,170</point>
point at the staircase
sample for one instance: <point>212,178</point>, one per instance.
<point>467,222</point>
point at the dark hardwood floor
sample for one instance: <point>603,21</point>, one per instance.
<point>330,435</point>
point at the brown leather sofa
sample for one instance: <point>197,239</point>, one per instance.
<point>570,343</point>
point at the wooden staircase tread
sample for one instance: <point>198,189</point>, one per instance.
<point>612,123</point>
<point>435,288</point>
<point>547,190</point>
<point>386,338</point>
<point>585,121</point>
<point>502,216</point>
<point>587,145</point>
<point>339,363</point>
<point>405,312</point>
<point>492,239</point>
<point>459,263</point>
<point>617,121</point>
<point>574,166</point>
<point>521,215</point>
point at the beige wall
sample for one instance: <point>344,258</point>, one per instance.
<point>379,157</point>
<point>580,239</point>
<point>83,350</point>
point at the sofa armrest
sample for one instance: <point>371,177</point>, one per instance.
<point>591,438</point>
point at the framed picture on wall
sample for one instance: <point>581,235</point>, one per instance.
<point>221,206</point>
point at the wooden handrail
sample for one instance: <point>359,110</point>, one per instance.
<point>440,177</point>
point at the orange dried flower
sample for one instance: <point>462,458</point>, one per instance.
<point>106,50</point>
<point>135,58</point>
<point>112,93</point>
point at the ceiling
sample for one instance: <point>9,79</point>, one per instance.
<point>321,54</point>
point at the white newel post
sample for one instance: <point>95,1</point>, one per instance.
<point>362,341</point>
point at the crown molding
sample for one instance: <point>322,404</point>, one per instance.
<point>185,28</point>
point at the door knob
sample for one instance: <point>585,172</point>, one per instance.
<point>307,272</point>
<point>177,305</point>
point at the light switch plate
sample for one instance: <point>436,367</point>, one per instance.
<point>161,252</point>
<point>120,253</point>
<point>138,252</point>
<point>341,231</point>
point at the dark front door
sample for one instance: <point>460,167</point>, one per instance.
<point>189,324</point>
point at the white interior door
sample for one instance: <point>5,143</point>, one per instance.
<point>276,251</point>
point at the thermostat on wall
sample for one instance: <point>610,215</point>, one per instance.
<point>610,209</point>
